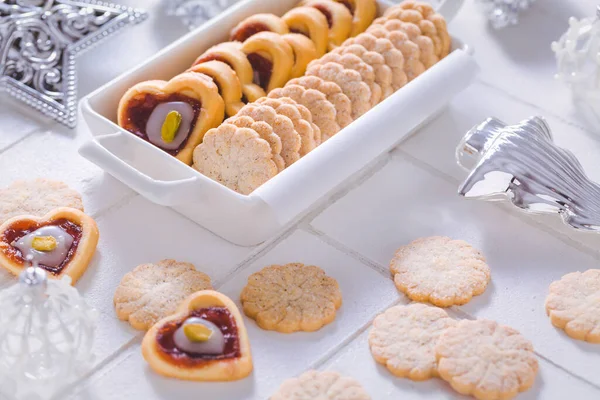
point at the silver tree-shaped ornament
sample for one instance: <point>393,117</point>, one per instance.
<point>46,336</point>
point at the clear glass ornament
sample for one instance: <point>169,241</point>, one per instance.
<point>578,60</point>
<point>502,13</point>
<point>194,13</point>
<point>46,336</point>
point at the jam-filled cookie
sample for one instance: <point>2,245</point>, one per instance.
<point>62,242</point>
<point>363,13</point>
<point>231,54</point>
<point>206,340</point>
<point>272,59</point>
<point>173,115</point>
<point>258,23</point>
<point>339,20</point>
<point>310,22</point>
<point>227,81</point>
<point>304,52</point>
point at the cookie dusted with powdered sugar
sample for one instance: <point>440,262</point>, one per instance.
<point>325,385</point>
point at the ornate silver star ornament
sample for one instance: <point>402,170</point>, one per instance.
<point>39,42</point>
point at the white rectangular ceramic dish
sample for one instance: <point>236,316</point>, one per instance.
<point>249,220</point>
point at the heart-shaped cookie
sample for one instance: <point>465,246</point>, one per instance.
<point>61,242</point>
<point>205,340</point>
<point>173,115</point>
<point>271,57</point>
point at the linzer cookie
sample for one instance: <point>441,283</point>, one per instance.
<point>349,81</point>
<point>153,291</point>
<point>62,242</point>
<point>382,73</point>
<point>36,197</point>
<point>431,23</point>
<point>310,22</point>
<point>301,126</point>
<point>205,340</point>
<point>304,52</point>
<point>440,270</point>
<point>355,63</point>
<point>486,360</point>
<point>411,53</point>
<point>392,56</point>
<point>227,82</point>
<point>334,94</point>
<point>363,13</point>
<point>235,157</point>
<point>290,298</point>
<point>322,110</point>
<point>339,20</point>
<point>231,54</point>
<point>573,304</point>
<point>282,127</point>
<point>272,59</point>
<point>326,385</point>
<point>265,131</point>
<point>173,115</point>
<point>258,23</point>
<point>427,53</point>
<point>403,339</point>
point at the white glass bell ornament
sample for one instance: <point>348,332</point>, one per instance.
<point>46,336</point>
<point>578,59</point>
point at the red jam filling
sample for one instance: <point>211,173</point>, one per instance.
<point>247,30</point>
<point>21,228</point>
<point>348,5</point>
<point>326,13</point>
<point>141,106</point>
<point>262,68</point>
<point>221,317</point>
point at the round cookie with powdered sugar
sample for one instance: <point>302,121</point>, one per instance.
<point>325,385</point>
<point>153,291</point>
<point>36,197</point>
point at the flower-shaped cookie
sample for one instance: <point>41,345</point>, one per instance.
<point>573,304</point>
<point>62,242</point>
<point>411,53</point>
<point>440,270</point>
<point>403,339</point>
<point>205,340</point>
<point>235,157</point>
<point>486,360</point>
<point>326,385</point>
<point>153,291</point>
<point>290,298</point>
<point>383,73</point>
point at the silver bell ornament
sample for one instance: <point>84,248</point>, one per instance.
<point>46,336</point>
<point>503,13</point>
<point>578,60</point>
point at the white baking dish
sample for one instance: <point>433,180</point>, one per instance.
<point>249,220</point>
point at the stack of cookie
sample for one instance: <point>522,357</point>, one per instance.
<point>287,85</point>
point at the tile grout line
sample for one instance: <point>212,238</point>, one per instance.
<point>20,140</point>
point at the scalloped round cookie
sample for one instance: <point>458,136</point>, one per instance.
<point>403,339</point>
<point>317,385</point>
<point>349,81</point>
<point>440,270</point>
<point>392,56</point>
<point>306,115</point>
<point>235,157</point>
<point>265,131</point>
<point>355,63</point>
<point>291,298</point>
<point>282,126</point>
<point>301,125</point>
<point>333,92</point>
<point>413,66</point>
<point>486,360</point>
<point>573,304</point>
<point>36,197</point>
<point>322,110</point>
<point>153,291</point>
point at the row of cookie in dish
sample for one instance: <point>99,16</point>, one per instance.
<point>337,88</point>
<point>264,52</point>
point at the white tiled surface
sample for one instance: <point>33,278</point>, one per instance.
<point>411,195</point>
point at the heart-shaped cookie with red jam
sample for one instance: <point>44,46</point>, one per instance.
<point>61,242</point>
<point>205,340</point>
<point>173,115</point>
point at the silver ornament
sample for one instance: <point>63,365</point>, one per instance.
<point>39,41</point>
<point>194,13</point>
<point>502,13</point>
